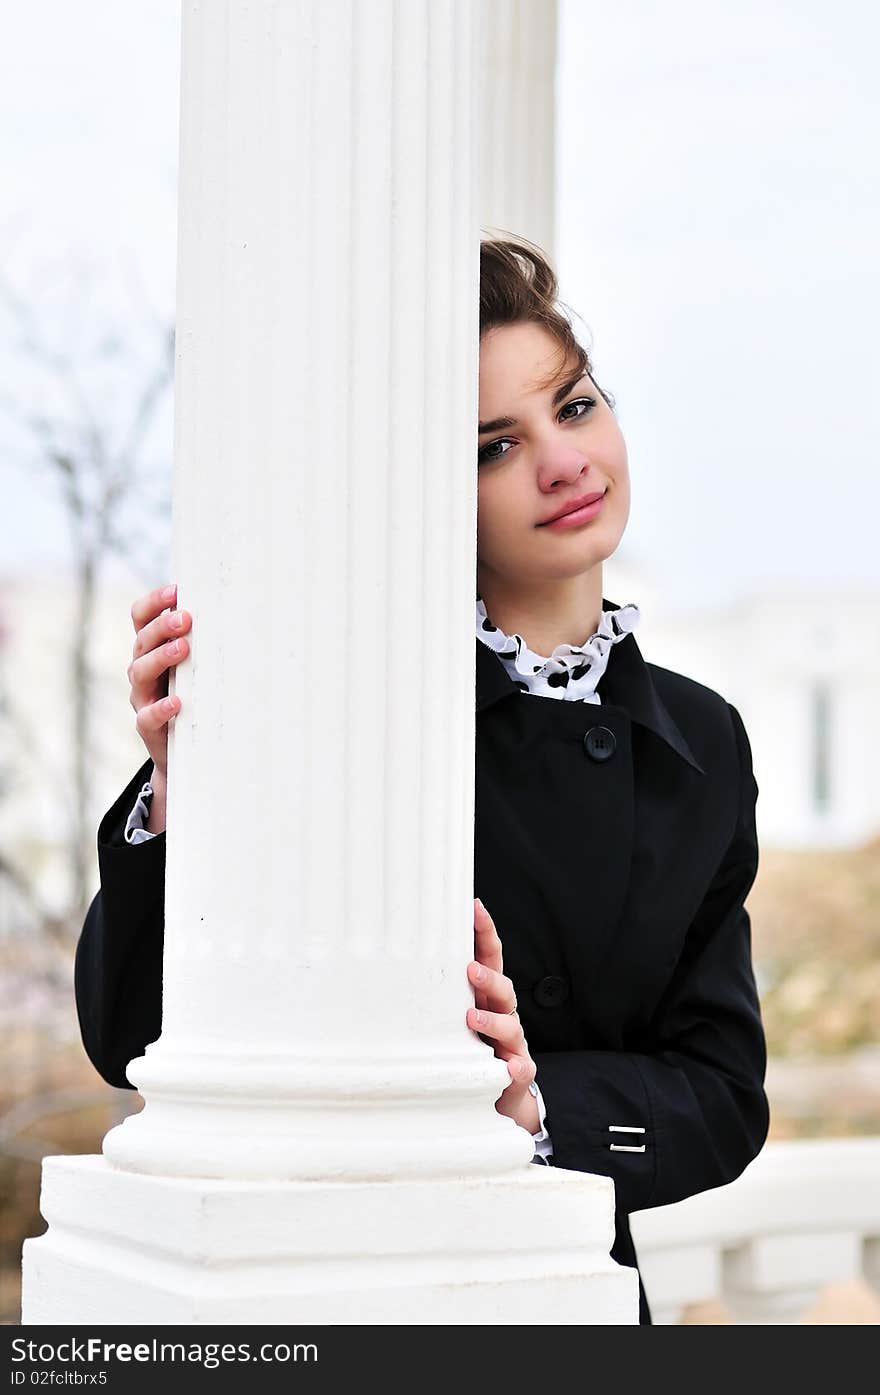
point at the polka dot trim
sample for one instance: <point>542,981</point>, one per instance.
<point>572,671</point>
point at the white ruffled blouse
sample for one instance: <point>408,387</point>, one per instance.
<point>573,670</point>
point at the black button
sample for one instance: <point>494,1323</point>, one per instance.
<point>600,743</point>
<point>550,991</point>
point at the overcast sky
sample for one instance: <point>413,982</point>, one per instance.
<point>718,203</point>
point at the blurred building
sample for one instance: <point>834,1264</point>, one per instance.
<point>37,622</point>
<point>803,668</point>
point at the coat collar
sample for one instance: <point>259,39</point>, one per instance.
<point>626,683</point>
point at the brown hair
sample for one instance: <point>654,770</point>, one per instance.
<point>517,283</point>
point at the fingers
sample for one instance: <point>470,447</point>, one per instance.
<point>522,1070</point>
<point>496,1021</point>
<point>148,607</point>
<point>504,1028</point>
<point>486,938</point>
<point>145,672</point>
<point>171,624</point>
<point>153,716</point>
<point>491,989</point>
<point>159,644</point>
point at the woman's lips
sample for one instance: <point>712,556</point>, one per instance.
<point>574,520</point>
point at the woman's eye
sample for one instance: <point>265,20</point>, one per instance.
<point>588,403</point>
<point>483,452</point>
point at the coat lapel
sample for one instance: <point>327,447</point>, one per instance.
<point>586,851</point>
<point>626,683</point>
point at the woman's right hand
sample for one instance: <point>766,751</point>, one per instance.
<point>157,631</point>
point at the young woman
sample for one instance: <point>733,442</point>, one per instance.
<point>614,840</point>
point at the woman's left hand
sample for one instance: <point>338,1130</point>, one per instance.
<point>495,1017</point>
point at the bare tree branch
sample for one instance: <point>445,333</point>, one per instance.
<point>91,442</point>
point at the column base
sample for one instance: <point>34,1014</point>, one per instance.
<point>527,1246</point>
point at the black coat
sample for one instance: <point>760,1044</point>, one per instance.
<point>614,847</point>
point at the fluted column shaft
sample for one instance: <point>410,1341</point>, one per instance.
<point>319,897</point>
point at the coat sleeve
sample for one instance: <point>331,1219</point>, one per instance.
<point>698,1093</point>
<point>118,962</point>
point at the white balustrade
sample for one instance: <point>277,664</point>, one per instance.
<point>803,1215</point>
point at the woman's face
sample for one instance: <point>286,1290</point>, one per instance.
<point>554,454</point>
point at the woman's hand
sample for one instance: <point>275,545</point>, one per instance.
<point>158,646</point>
<point>495,1017</point>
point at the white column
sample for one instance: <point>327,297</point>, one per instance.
<point>517,163</point>
<point>319,1125</point>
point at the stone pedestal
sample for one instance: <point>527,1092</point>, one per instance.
<point>529,1246</point>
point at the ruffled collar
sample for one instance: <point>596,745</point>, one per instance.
<point>572,671</point>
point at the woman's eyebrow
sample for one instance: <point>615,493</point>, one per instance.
<point>504,423</point>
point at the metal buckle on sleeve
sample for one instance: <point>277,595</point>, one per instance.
<point>625,1147</point>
